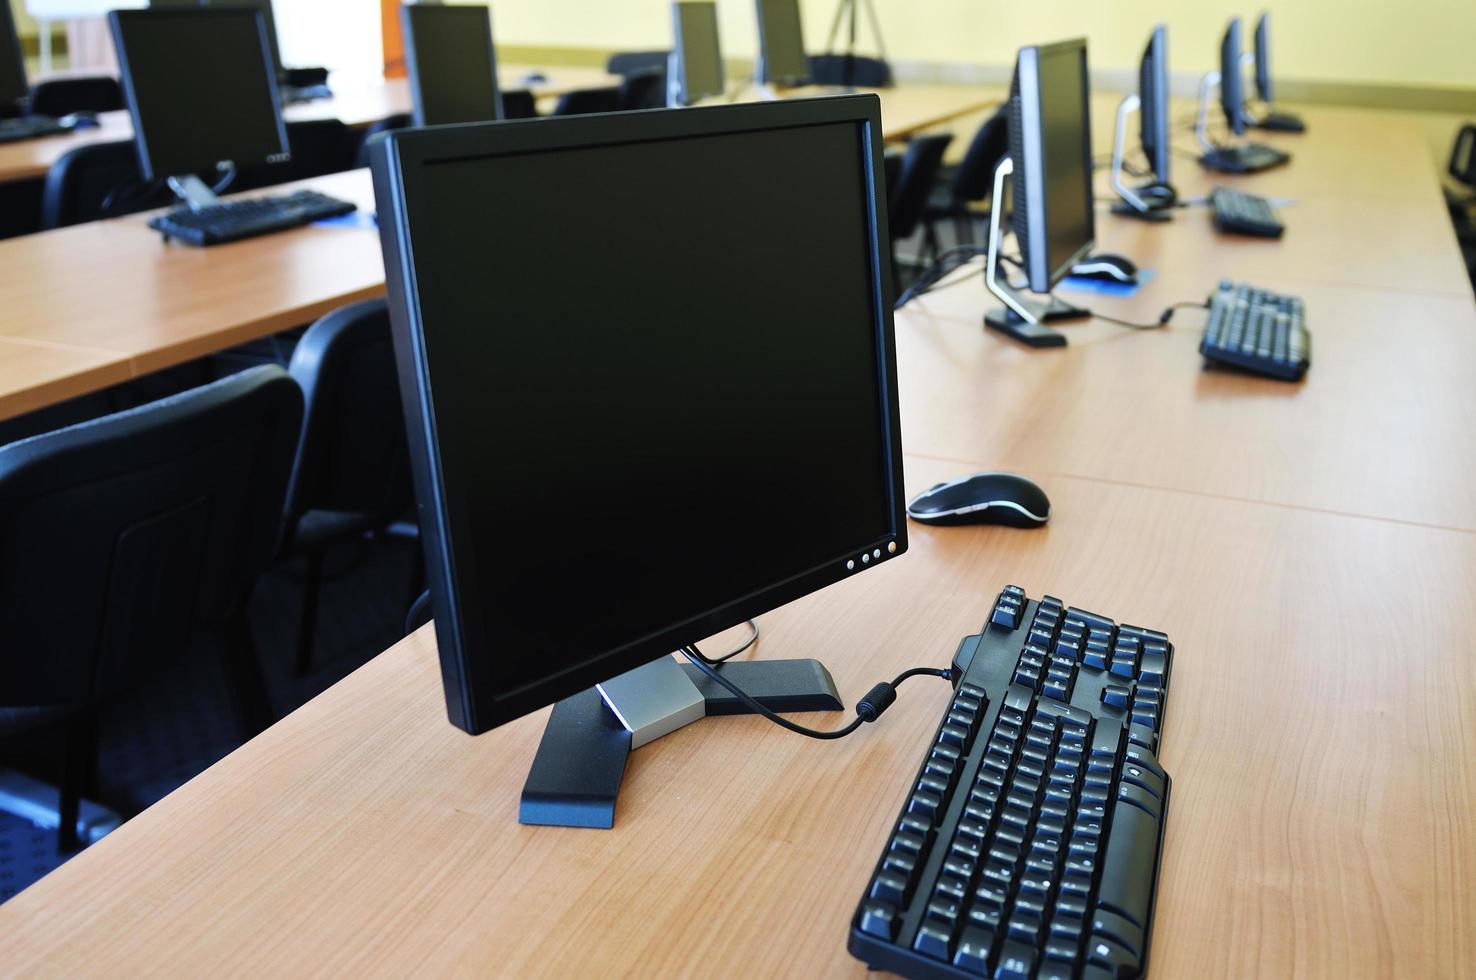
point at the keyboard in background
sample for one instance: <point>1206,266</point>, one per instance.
<point>1245,214</point>
<point>30,127</point>
<point>1246,158</point>
<point>232,221</point>
<point>1258,331</point>
<point>1029,844</point>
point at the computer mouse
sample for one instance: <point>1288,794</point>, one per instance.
<point>984,498</point>
<point>1109,268</point>
<point>534,78</point>
<point>79,120</point>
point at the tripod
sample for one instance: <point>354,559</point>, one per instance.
<point>846,10</point>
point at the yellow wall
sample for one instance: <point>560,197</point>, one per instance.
<point>1380,42</point>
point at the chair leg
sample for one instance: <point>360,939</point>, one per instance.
<point>244,678</point>
<point>307,627</point>
<point>79,773</point>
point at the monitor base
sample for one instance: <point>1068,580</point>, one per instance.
<point>576,775</point>
<point>1157,215</point>
<point>1011,324</point>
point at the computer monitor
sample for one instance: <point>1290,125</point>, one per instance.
<point>1232,82</point>
<point>697,56</point>
<point>13,86</point>
<point>200,87</point>
<point>781,44</point>
<point>1050,170</point>
<point>1263,59</point>
<point>452,63</point>
<point>693,436</point>
<point>265,7</point>
<point>1153,117</point>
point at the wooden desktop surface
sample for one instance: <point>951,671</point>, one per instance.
<point>355,107</point>
<point>1308,547</point>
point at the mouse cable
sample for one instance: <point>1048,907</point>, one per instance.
<point>752,639</point>
<point>1163,319</point>
<point>869,708</point>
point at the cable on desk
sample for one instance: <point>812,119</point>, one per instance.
<point>869,708</point>
<point>752,639</point>
<point>1163,319</point>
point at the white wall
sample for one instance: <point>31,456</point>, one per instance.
<point>341,35</point>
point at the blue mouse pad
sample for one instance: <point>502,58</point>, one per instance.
<point>354,219</point>
<point>1080,284</point>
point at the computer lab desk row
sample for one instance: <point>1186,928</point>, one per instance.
<point>1309,548</point>
<point>910,108</point>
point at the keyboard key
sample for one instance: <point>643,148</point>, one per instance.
<point>1129,865</point>
<point>974,945</point>
<point>889,887</point>
<point>1115,695</point>
<point>879,919</point>
<point>1016,961</point>
<point>932,939</point>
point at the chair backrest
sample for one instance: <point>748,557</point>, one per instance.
<point>907,198</point>
<point>644,90</point>
<point>100,180</point>
<point>519,103</point>
<point>630,62</point>
<point>122,536</point>
<point>319,147</point>
<point>62,96</point>
<point>842,69</point>
<point>1463,156</point>
<point>974,180</point>
<point>587,100</point>
<point>352,457</point>
<point>388,124</point>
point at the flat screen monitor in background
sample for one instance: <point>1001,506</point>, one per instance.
<point>1232,81</point>
<point>781,44</point>
<point>452,63</point>
<point>619,470</point>
<point>200,88</point>
<point>1153,117</point>
<point>697,56</point>
<point>1050,165</point>
<point>13,86</point>
<point>265,6</point>
<point>1263,59</point>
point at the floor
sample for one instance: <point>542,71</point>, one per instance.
<point>183,724</point>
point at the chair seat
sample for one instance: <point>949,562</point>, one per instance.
<point>13,721</point>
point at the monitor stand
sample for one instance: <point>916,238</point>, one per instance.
<point>1151,203</point>
<point>1020,318</point>
<point>193,191</point>
<point>576,775</point>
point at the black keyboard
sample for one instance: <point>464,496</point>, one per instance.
<point>234,220</point>
<point>29,128</point>
<point>1246,158</point>
<point>1258,331</point>
<point>1245,214</point>
<point>1029,843</point>
<point>1281,122</point>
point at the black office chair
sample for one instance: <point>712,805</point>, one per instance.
<point>519,103</point>
<point>908,193</point>
<point>588,100</point>
<point>644,90</point>
<point>124,541</point>
<point>633,62</point>
<point>101,180</point>
<point>400,120</point>
<point>960,188</point>
<point>63,96</point>
<point>848,70</point>
<point>352,472</point>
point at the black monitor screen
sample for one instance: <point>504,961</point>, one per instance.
<point>699,57</point>
<point>1232,83</point>
<point>200,87</point>
<point>1154,114</point>
<point>1263,59</point>
<point>453,70</point>
<point>781,43</point>
<point>649,427</point>
<point>265,6</point>
<point>13,86</point>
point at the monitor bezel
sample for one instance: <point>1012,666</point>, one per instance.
<point>408,13</point>
<point>679,47</point>
<point>1232,81</point>
<point>1159,156</point>
<point>12,43</point>
<point>402,162</point>
<point>1042,277</point>
<point>117,21</point>
<point>1263,58</point>
<point>766,74</point>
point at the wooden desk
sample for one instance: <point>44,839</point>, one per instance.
<point>355,107</point>
<point>1318,736</point>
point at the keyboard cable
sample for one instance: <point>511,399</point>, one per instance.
<point>868,709</point>
<point>1163,319</point>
